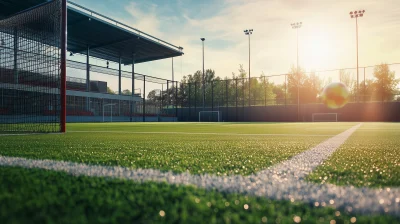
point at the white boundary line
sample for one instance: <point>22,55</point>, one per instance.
<point>282,181</point>
<point>199,133</point>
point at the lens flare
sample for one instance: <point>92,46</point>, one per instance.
<point>335,95</point>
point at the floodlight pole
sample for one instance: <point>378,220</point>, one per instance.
<point>249,32</point>
<point>204,89</point>
<point>297,26</point>
<point>355,15</point>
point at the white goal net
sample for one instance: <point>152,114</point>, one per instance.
<point>209,116</point>
<point>324,117</point>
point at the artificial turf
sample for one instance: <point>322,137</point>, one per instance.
<point>221,127</point>
<point>370,157</point>
<point>40,196</point>
<point>225,154</point>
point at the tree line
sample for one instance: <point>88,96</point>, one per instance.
<point>299,85</point>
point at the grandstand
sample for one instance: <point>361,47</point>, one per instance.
<point>30,74</point>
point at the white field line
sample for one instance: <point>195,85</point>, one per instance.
<point>11,134</point>
<point>303,163</point>
<point>268,183</point>
<point>199,133</point>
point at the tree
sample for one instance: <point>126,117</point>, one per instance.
<point>348,79</point>
<point>110,91</point>
<point>126,92</point>
<point>154,96</point>
<point>385,82</point>
<point>309,86</point>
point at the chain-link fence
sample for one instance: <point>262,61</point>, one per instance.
<point>233,97</point>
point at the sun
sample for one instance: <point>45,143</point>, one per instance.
<point>318,51</point>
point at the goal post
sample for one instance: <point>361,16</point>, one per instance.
<point>33,69</point>
<point>209,116</point>
<point>324,117</point>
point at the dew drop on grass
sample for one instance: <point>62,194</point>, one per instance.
<point>264,219</point>
<point>297,219</point>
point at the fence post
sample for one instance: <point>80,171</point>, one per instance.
<point>265,92</point>
<point>144,98</point>
<point>190,106</point>
<point>236,101</point>
<point>364,87</point>
<point>212,95</point>
<point>195,98</point>
<point>168,96</point>
<point>226,99</point>
<point>285,89</point>
<point>176,100</point>
<point>243,98</point>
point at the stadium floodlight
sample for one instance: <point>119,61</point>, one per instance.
<point>356,14</point>
<point>204,83</point>
<point>249,32</point>
<point>297,26</point>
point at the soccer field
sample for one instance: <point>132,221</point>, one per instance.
<point>203,172</point>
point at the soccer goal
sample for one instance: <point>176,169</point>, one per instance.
<point>209,116</point>
<point>33,69</point>
<point>324,117</point>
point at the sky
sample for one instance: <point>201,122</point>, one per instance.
<point>326,40</point>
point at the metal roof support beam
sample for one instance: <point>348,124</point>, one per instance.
<point>172,71</point>
<point>133,86</point>
<point>119,76</point>
<point>87,77</point>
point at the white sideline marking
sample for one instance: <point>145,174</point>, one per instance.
<point>272,183</point>
<point>199,133</point>
<point>303,163</point>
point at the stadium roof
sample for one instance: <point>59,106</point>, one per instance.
<point>107,39</point>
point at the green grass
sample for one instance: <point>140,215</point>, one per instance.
<point>370,157</point>
<point>39,196</point>
<point>225,154</point>
<point>239,128</point>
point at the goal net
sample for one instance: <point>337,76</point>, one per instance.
<point>324,117</point>
<point>30,70</point>
<point>209,116</point>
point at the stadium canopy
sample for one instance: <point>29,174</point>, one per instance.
<point>105,38</point>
